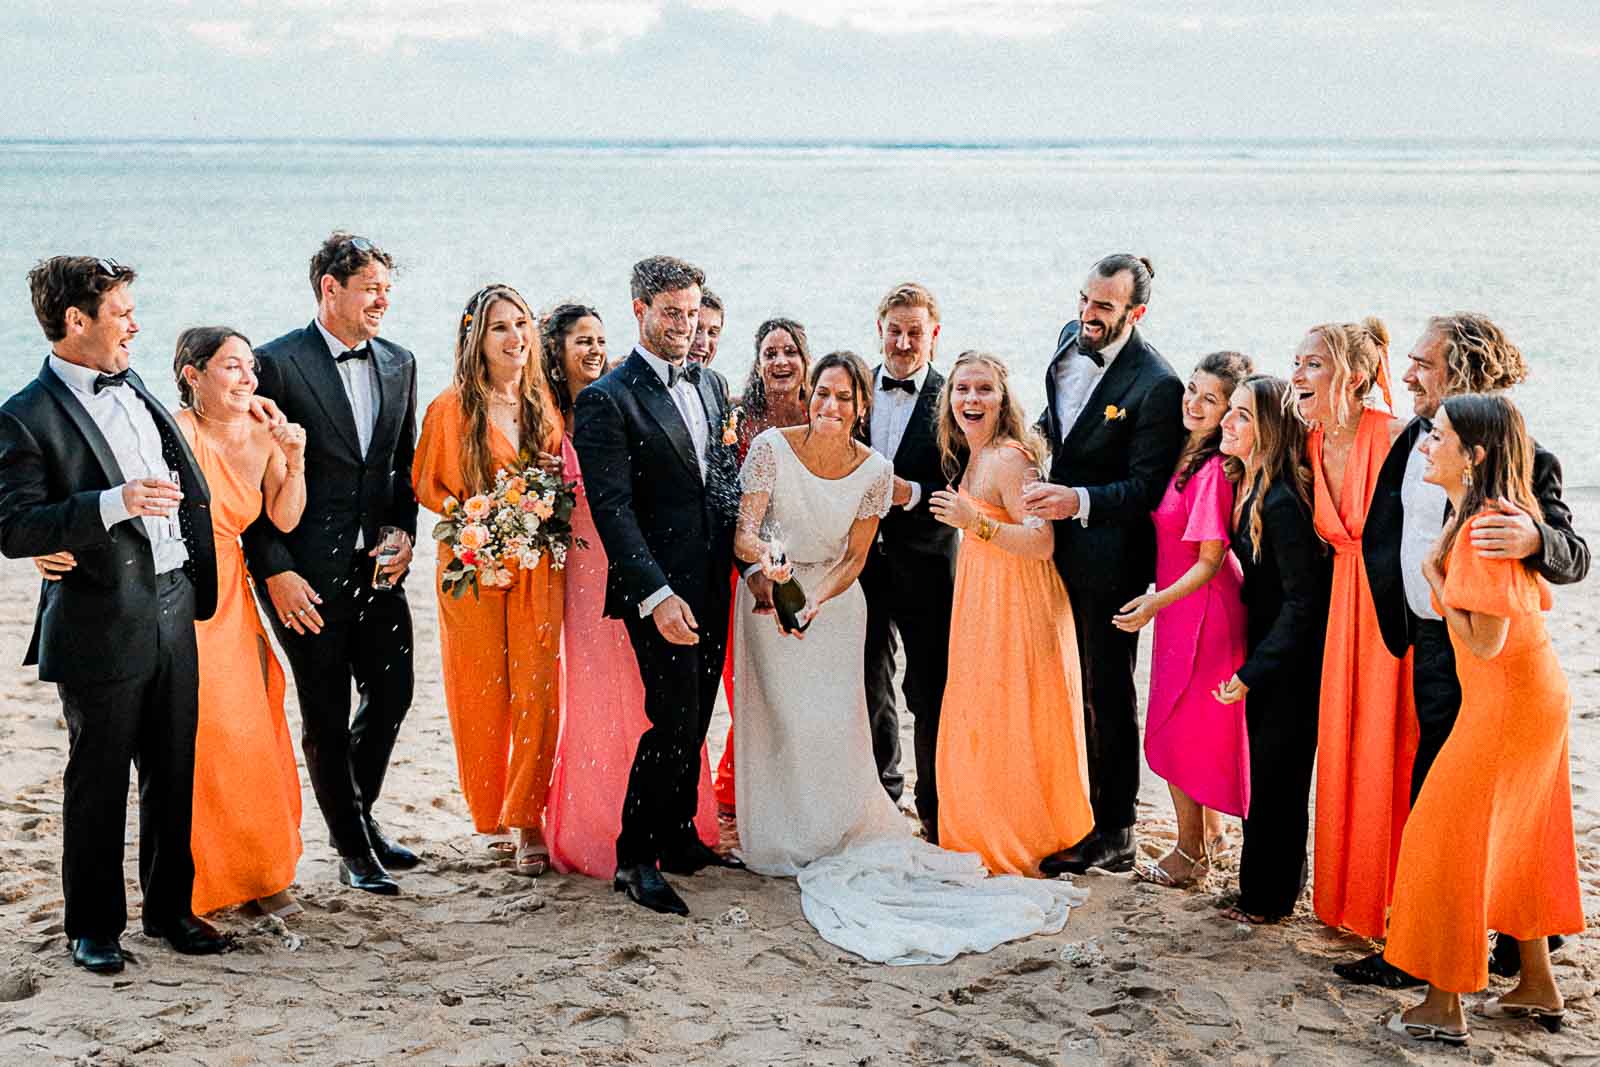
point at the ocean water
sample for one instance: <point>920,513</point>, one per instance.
<point>1253,241</point>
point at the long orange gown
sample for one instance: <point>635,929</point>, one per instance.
<point>1490,844</point>
<point>246,834</point>
<point>499,650</point>
<point>1012,766</point>
<point>1367,730</point>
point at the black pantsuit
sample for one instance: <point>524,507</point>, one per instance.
<point>1286,595</point>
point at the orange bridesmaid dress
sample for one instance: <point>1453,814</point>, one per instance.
<point>1012,766</point>
<point>499,650</point>
<point>1367,730</point>
<point>1490,845</point>
<point>246,834</point>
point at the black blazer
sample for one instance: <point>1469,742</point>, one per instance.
<point>1124,462</point>
<point>346,492</point>
<point>1286,595</point>
<point>917,460</point>
<point>96,624</point>
<point>660,523</point>
<point>1564,559</point>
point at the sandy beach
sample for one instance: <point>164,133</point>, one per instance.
<point>474,965</point>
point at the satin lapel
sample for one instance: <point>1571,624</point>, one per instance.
<point>713,406</point>
<point>391,389</point>
<point>315,364</point>
<point>923,416</point>
<point>1111,388</point>
<point>652,395</point>
<point>1064,341</point>
<point>165,421</point>
<point>79,416</point>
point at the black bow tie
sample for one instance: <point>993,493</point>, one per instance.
<point>1099,359</point>
<point>107,381</point>
<point>888,384</point>
<point>363,352</point>
<point>676,374</point>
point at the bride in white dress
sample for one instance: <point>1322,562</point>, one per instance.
<point>809,799</point>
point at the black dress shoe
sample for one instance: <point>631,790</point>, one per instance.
<point>1110,850</point>
<point>645,886</point>
<point>189,935</point>
<point>367,874</point>
<point>1505,958</point>
<point>696,856</point>
<point>1375,970</point>
<point>102,955</point>
<point>391,854</point>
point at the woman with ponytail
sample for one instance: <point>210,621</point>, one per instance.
<point>499,646</point>
<point>1367,733</point>
<point>1286,574</point>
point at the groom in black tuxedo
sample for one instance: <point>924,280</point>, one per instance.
<point>1457,354</point>
<point>909,579</point>
<point>356,395</point>
<point>1114,421</point>
<point>85,452</point>
<point>664,495</point>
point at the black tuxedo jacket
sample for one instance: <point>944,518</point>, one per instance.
<point>917,460</point>
<point>346,492</point>
<point>660,523</point>
<point>1124,461</point>
<point>97,624</point>
<point>1563,559</point>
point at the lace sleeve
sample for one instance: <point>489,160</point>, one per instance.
<point>879,496</point>
<point>760,469</point>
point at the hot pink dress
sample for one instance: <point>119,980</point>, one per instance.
<point>1191,740</point>
<point>602,715</point>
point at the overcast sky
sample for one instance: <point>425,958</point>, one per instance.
<point>938,70</point>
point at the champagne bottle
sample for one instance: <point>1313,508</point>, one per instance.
<point>788,599</point>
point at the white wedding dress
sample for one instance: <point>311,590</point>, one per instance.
<point>809,800</point>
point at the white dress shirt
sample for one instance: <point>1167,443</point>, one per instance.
<point>1076,376</point>
<point>686,398</point>
<point>130,431</point>
<point>1422,508</point>
<point>891,414</point>
<point>360,381</point>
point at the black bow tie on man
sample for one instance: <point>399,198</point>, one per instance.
<point>107,381</point>
<point>1094,354</point>
<point>888,384</point>
<point>690,370</point>
<point>364,352</point>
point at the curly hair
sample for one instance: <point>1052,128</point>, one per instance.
<point>754,398</point>
<point>1477,354</point>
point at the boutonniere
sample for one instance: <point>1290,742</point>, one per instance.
<point>730,427</point>
<point>1113,413</point>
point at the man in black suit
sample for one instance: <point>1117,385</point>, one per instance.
<point>664,495</point>
<point>910,574</point>
<point>1461,353</point>
<point>1114,421</point>
<point>85,452</point>
<point>356,395</point>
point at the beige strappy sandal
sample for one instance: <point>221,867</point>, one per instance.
<point>1155,874</point>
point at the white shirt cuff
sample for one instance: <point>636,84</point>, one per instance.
<point>113,509</point>
<point>916,495</point>
<point>1083,506</point>
<point>651,602</point>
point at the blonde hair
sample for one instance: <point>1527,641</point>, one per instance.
<point>1012,425</point>
<point>1478,357</point>
<point>908,295</point>
<point>536,414</point>
<point>1360,355</point>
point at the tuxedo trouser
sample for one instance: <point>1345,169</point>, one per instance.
<point>1110,706</point>
<point>1282,727</point>
<point>149,722</point>
<point>1436,688</point>
<point>680,692</point>
<point>909,594</point>
<point>367,640</point>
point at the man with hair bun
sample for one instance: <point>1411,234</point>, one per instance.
<point>1114,421</point>
<point>1456,354</point>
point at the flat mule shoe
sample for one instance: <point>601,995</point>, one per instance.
<point>1425,1031</point>
<point>1496,1008</point>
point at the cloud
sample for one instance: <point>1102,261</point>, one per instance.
<point>994,18</point>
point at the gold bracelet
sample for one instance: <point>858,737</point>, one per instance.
<point>986,528</point>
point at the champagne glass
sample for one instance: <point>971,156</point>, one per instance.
<point>174,527</point>
<point>1032,479</point>
<point>390,538</point>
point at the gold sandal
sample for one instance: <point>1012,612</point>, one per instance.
<point>1155,874</point>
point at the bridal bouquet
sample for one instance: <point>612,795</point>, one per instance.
<point>524,517</point>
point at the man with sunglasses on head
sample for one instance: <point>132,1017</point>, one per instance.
<point>339,610</point>
<point>92,464</point>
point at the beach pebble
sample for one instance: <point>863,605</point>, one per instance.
<point>1083,954</point>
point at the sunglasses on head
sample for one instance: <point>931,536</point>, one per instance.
<point>108,268</point>
<point>360,244</point>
